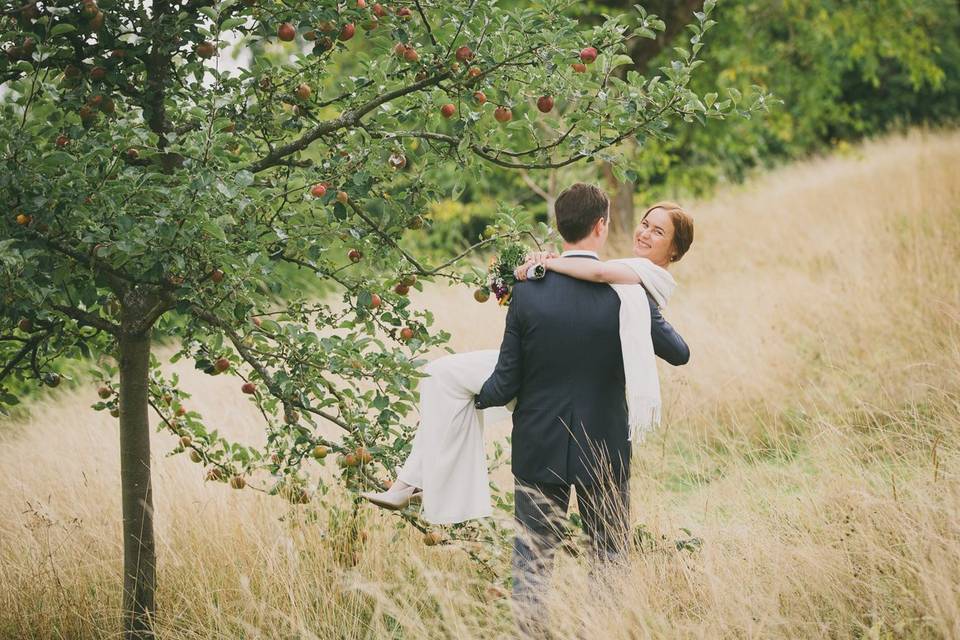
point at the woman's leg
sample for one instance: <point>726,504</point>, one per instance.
<point>447,458</point>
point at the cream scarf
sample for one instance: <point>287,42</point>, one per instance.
<point>639,361</point>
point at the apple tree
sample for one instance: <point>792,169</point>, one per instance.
<point>151,189</point>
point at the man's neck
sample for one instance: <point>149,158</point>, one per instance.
<point>582,246</point>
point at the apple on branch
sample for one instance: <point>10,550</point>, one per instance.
<point>286,32</point>
<point>503,114</point>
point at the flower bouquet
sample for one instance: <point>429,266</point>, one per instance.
<point>500,275</point>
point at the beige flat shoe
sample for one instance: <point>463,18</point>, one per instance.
<point>394,499</point>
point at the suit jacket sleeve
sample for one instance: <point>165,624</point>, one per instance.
<point>504,384</point>
<point>667,343</point>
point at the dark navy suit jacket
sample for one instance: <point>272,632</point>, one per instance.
<point>561,358</point>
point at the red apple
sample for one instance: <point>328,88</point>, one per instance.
<point>205,49</point>
<point>347,32</point>
<point>181,411</point>
<point>318,190</point>
<point>304,91</point>
<point>409,279</point>
<point>503,114</point>
<point>588,54</point>
<point>410,54</point>
<point>354,255</point>
<point>310,35</point>
<point>464,54</point>
<point>545,104</point>
<point>379,11</point>
<point>404,13</point>
<point>375,301</point>
<point>579,67</point>
<point>406,334</point>
<point>480,96</point>
<point>98,73</point>
<point>249,388</point>
<point>474,72</point>
<point>286,32</point>
<point>361,4</point>
<point>401,289</point>
<point>343,197</point>
<point>256,321</point>
<point>221,365</point>
<point>448,110</point>
<point>62,140</point>
<point>132,153</point>
<point>217,276</point>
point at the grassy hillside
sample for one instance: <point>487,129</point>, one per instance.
<point>810,444</point>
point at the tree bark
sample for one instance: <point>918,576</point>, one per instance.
<point>139,551</point>
<point>621,202</point>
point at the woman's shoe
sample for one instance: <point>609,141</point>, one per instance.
<point>394,499</point>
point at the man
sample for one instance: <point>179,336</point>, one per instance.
<point>561,358</point>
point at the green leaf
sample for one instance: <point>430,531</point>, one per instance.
<point>243,178</point>
<point>621,59</point>
<point>61,29</point>
<point>232,23</point>
<point>214,230</point>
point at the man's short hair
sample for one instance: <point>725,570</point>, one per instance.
<point>578,208</point>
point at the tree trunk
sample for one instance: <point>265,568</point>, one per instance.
<point>139,553</point>
<point>621,203</point>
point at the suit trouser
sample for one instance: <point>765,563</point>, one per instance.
<point>541,509</point>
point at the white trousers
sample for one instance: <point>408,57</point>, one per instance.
<point>448,460</point>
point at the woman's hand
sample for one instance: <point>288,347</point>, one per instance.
<point>537,257</point>
<point>520,273</point>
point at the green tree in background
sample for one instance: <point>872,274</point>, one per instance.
<point>841,70</point>
<point>150,191</point>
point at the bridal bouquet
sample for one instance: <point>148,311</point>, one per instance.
<point>500,277</point>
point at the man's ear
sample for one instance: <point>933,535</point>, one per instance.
<point>598,225</point>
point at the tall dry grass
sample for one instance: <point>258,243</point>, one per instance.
<point>810,444</point>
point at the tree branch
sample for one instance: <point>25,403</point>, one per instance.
<point>261,370</point>
<point>87,318</point>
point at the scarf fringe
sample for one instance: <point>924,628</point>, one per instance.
<point>644,419</point>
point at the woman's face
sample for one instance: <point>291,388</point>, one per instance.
<point>653,238</point>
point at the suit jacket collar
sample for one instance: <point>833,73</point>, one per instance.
<point>580,253</point>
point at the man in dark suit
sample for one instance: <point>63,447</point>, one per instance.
<point>561,359</point>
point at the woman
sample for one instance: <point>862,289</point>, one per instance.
<point>447,467</point>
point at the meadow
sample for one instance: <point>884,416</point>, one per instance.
<point>810,446</point>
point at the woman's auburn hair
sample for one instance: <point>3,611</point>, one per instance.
<point>682,226</point>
